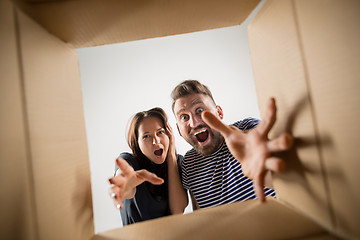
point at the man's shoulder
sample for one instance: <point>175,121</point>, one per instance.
<point>190,153</point>
<point>246,123</point>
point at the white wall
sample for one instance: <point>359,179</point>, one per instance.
<point>121,79</point>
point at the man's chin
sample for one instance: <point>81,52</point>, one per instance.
<point>205,150</point>
<point>208,147</point>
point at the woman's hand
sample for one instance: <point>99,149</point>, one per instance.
<point>126,179</point>
<point>172,149</point>
<point>253,149</point>
<point>177,195</point>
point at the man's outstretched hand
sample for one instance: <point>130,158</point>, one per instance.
<point>253,149</point>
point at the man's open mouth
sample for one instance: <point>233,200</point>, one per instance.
<point>158,152</point>
<point>202,135</point>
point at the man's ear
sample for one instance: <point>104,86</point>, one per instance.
<point>220,112</point>
<point>178,129</point>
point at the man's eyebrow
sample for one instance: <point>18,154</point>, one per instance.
<point>180,111</point>
<point>197,101</point>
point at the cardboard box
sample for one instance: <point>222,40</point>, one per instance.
<point>305,53</point>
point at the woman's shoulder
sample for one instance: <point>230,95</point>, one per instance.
<point>179,159</point>
<point>130,159</point>
<point>127,156</point>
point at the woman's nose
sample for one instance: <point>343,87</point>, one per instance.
<point>155,140</point>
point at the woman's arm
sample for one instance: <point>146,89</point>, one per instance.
<point>178,199</point>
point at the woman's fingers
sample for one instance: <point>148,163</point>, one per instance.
<point>115,193</point>
<point>124,166</point>
<point>118,180</point>
<point>150,177</point>
<point>169,129</point>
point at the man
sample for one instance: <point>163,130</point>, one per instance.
<point>213,171</point>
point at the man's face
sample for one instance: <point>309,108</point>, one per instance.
<point>192,128</point>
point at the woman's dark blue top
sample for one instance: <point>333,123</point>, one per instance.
<point>142,206</point>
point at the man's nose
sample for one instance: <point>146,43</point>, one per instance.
<point>194,121</point>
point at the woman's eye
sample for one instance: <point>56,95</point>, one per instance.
<point>161,132</point>
<point>146,136</point>
<point>199,110</point>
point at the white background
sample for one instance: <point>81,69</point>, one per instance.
<point>119,80</point>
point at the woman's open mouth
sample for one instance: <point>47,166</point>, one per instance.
<point>158,152</point>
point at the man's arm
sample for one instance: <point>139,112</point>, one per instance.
<point>195,205</point>
<point>253,149</point>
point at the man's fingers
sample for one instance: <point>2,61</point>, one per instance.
<point>281,143</point>
<point>150,177</point>
<point>275,164</point>
<point>269,119</point>
<point>124,166</point>
<point>215,123</point>
<point>259,188</point>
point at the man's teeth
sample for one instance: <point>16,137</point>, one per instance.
<point>201,131</point>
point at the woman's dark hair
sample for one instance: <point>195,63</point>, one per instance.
<point>159,192</point>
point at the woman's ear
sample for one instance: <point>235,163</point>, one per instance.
<point>220,112</point>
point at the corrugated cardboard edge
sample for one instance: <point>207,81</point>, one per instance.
<point>17,207</point>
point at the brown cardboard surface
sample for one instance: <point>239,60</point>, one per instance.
<point>242,220</point>
<point>56,131</point>
<point>17,218</point>
<point>331,46</point>
<point>279,72</point>
<point>85,23</point>
<point>306,54</point>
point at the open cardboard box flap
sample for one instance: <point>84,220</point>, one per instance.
<point>93,22</point>
<point>247,220</point>
<point>304,53</point>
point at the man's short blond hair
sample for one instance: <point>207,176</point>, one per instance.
<point>188,87</point>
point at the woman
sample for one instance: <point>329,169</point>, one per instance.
<point>147,184</point>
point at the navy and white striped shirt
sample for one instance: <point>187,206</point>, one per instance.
<point>218,178</point>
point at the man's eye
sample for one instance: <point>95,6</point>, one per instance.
<point>199,110</point>
<point>184,117</point>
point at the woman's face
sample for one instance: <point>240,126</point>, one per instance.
<point>153,140</point>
